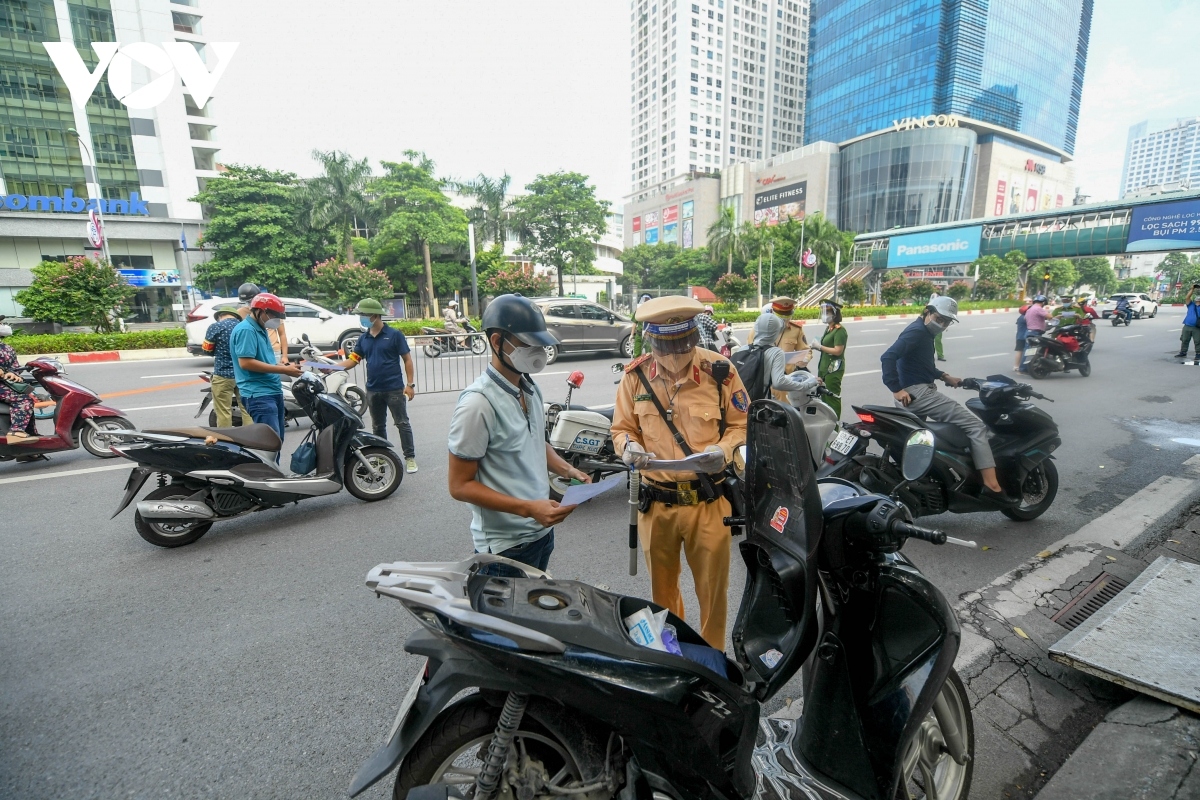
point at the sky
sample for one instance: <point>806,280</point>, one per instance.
<point>534,86</point>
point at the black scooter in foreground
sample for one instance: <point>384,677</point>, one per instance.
<point>199,484</point>
<point>566,705</point>
<point>1022,438</point>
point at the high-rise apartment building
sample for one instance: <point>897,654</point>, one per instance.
<point>144,164</point>
<point>714,82</point>
<point>1170,155</point>
<point>1001,62</point>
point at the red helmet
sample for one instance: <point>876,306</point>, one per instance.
<point>267,302</point>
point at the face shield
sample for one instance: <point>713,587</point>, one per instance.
<point>672,338</point>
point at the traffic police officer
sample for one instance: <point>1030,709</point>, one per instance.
<point>681,510</point>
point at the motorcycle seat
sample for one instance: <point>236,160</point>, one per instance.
<point>895,412</point>
<point>949,436</point>
<point>256,435</point>
<point>606,411</point>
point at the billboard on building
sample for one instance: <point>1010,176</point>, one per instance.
<point>687,232</point>
<point>150,277</point>
<point>670,233</point>
<point>670,214</point>
<point>688,206</point>
<point>652,235</point>
<point>637,224</point>
<point>1001,196</point>
<point>1164,226</point>
<point>954,246</point>
<point>780,203</point>
<point>650,219</point>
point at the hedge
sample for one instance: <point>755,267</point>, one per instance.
<point>812,312</point>
<point>36,344</point>
<point>412,327</point>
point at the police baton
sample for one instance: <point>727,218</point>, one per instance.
<point>635,482</point>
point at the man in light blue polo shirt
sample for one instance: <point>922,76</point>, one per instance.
<point>499,455</point>
<point>254,364</point>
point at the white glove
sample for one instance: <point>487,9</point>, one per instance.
<point>635,455</point>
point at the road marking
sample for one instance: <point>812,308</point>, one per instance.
<point>864,372</point>
<point>874,330</point>
<point>41,476</point>
<point>151,389</point>
<point>989,328</point>
<point>989,355</point>
<point>172,375</point>
<point>1134,515</point>
<point>948,338</point>
<point>155,408</point>
<point>1132,336</point>
<point>871,344</point>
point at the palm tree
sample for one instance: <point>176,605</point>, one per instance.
<point>493,204</point>
<point>725,239</point>
<point>338,197</point>
<point>824,239</point>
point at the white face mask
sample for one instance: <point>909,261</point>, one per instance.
<point>529,360</point>
<point>826,317</point>
<point>273,323</point>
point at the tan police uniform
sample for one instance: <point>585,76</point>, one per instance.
<point>682,515</point>
<point>792,339</point>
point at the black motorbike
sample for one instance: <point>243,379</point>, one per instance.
<point>199,483</point>
<point>442,342</point>
<point>1059,349</point>
<point>1122,316</point>
<point>1022,438</point>
<point>533,687</point>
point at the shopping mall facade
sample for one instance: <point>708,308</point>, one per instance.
<point>917,171</point>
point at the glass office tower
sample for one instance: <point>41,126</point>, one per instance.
<point>1008,62</point>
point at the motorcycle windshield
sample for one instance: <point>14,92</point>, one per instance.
<point>776,624</point>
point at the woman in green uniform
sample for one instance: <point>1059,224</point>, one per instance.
<point>832,348</point>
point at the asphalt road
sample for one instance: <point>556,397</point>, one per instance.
<point>254,663</point>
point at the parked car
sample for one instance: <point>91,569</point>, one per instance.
<point>326,330</point>
<point>1142,304</point>
<point>582,326</point>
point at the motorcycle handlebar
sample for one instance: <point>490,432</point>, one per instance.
<point>917,532</point>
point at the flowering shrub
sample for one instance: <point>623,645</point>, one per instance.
<point>79,291</point>
<point>515,278</point>
<point>346,284</point>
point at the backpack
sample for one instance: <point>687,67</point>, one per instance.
<point>752,369</point>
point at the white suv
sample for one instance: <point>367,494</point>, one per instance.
<point>1142,304</point>
<point>326,330</point>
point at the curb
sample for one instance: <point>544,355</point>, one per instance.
<point>100,356</point>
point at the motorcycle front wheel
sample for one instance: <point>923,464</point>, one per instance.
<point>432,350</point>
<point>478,345</point>
<point>169,532</point>
<point>1037,493</point>
<point>97,442</point>
<point>450,751</point>
<point>928,771</point>
<point>365,486</point>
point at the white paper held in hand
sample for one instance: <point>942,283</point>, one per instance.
<point>708,462</point>
<point>582,492</point>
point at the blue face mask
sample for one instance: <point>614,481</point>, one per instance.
<point>364,323</point>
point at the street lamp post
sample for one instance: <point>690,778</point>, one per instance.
<point>99,198</point>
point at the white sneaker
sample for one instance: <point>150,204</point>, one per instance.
<point>410,465</point>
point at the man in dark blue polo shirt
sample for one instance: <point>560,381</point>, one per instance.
<point>383,347</point>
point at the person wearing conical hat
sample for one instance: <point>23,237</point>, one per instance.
<point>681,511</point>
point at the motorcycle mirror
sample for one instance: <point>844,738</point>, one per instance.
<point>575,379</point>
<point>739,461</point>
<point>918,455</point>
<point>617,368</point>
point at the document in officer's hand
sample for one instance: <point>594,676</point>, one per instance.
<point>709,461</point>
<point>582,492</point>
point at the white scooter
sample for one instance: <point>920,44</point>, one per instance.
<point>336,381</point>
<point>582,435</point>
<point>725,342</point>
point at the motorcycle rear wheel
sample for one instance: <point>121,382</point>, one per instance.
<point>1038,370</point>
<point>449,752</point>
<point>432,350</point>
<point>478,345</point>
<point>1085,369</point>
<point>1037,493</point>
<point>925,758</point>
<point>169,533</point>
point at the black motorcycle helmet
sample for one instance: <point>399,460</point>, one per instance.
<point>517,315</point>
<point>306,388</point>
<point>247,291</point>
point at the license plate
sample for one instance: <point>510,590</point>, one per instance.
<point>1031,351</point>
<point>586,443</point>
<point>844,442</point>
<point>409,699</point>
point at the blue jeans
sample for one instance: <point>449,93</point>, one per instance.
<point>267,409</point>
<point>535,554</point>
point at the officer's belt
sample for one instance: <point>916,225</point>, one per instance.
<point>680,493</point>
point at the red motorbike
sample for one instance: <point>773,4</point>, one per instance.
<point>79,417</point>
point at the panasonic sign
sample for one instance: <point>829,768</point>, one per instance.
<point>953,246</point>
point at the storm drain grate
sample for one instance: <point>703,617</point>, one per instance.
<point>1090,600</point>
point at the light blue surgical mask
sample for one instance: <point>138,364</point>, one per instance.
<point>364,323</point>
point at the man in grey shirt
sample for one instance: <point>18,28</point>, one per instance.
<point>499,456</point>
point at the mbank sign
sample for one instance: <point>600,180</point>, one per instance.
<point>955,246</point>
<point>68,202</point>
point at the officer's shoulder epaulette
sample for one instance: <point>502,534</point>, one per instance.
<point>637,362</point>
<point>706,366</point>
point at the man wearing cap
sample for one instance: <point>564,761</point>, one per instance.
<point>793,339</point>
<point>383,348</point>
<point>674,386</point>
<point>909,372</point>
<point>223,383</point>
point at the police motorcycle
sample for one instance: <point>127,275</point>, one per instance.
<point>1023,437</point>
<point>199,483</point>
<point>582,435</point>
<point>532,687</point>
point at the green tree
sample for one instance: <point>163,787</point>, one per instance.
<point>415,214</point>
<point>793,286</point>
<point>338,196</point>
<point>1141,284</point>
<point>734,288</point>
<point>560,221</point>
<point>998,270</point>
<point>959,290</point>
<point>852,291</point>
<point>492,205</point>
<point>489,262</point>
<point>920,290</point>
<point>79,290</point>
<point>514,278</point>
<point>688,267</point>
<point>1095,271</point>
<point>256,231</point>
<point>1062,273</point>
<point>894,291</point>
<point>725,239</point>
<point>346,284</point>
<point>986,289</point>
